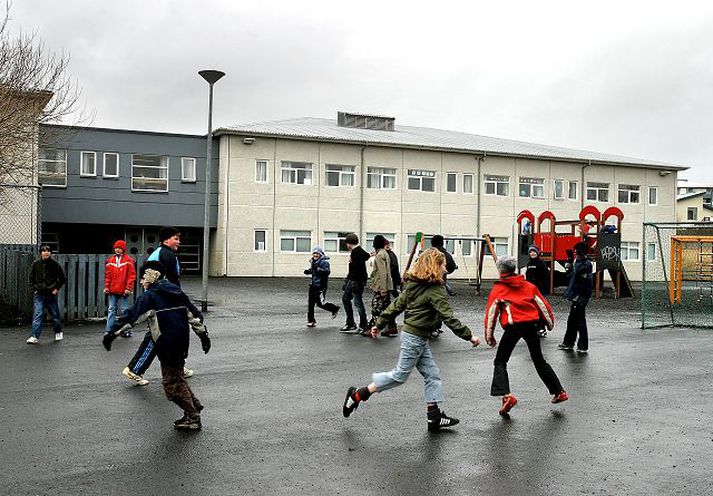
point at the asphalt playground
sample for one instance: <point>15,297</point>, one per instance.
<point>638,421</point>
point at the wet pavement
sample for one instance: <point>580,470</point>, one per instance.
<point>638,421</point>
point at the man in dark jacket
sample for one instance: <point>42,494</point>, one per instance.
<point>170,314</point>
<point>451,266</point>
<point>319,270</point>
<point>354,284</point>
<point>579,291</point>
<point>46,279</point>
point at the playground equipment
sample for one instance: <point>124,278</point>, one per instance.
<point>691,260</point>
<point>557,247</point>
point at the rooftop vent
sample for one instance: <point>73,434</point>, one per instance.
<point>364,121</point>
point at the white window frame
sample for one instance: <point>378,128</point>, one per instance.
<point>296,236</point>
<point>391,237</point>
<point>420,176</point>
<point>688,213</point>
<point>104,173</point>
<point>531,183</point>
<point>184,178</point>
<point>163,159</point>
<point>651,251</point>
<point>260,161</point>
<point>294,169</point>
<point>655,190</point>
<point>632,191</point>
<point>469,243</point>
<point>342,172</point>
<point>495,181</point>
<point>411,237</point>
<point>60,163</point>
<point>597,188</point>
<point>82,172</point>
<point>562,183</point>
<point>382,174</point>
<point>627,247</point>
<point>339,237</point>
<point>454,175</point>
<point>575,190</point>
<point>472,184</point>
<point>256,248</point>
<point>501,245</point>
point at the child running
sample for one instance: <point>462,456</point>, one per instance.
<point>426,304</point>
<point>522,310</point>
<point>319,270</point>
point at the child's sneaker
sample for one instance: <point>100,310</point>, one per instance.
<point>438,420</point>
<point>350,404</point>
<point>560,397</point>
<point>509,401</point>
<point>58,336</point>
<point>563,346</point>
<point>32,340</point>
<point>188,423</point>
<point>582,352</point>
<point>140,381</point>
<point>187,373</point>
<point>311,324</point>
<point>334,313</point>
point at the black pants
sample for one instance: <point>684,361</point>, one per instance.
<point>144,356</point>
<point>577,323</point>
<point>317,297</point>
<point>528,332</point>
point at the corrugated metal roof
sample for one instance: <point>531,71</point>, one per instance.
<point>686,196</point>
<point>316,129</point>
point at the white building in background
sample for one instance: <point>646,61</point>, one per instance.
<point>288,185</point>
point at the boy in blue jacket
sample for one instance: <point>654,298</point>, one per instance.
<point>319,270</point>
<point>579,291</point>
<point>170,314</point>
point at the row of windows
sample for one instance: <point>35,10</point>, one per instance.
<point>148,172</point>
<point>425,180</point>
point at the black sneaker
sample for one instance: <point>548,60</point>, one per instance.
<point>181,420</point>
<point>348,328</point>
<point>349,404</point>
<point>334,313</point>
<point>188,423</point>
<point>438,420</point>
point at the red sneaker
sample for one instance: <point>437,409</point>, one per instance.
<point>509,401</point>
<point>560,397</point>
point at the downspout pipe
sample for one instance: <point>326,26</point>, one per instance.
<point>362,186</point>
<point>583,189</point>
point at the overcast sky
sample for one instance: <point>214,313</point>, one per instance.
<point>632,78</point>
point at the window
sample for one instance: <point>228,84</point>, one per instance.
<point>188,170</point>
<point>381,178</point>
<point>261,171</point>
<point>260,240</point>
<point>497,185</point>
<point>468,183</point>
<point>558,189</point>
<point>501,246</point>
<point>451,182</point>
<point>391,237</point>
<point>149,173</point>
<point>630,251</point>
<point>450,246</point>
<point>532,187</point>
<point>466,248</point>
<point>653,195</point>
<point>692,213</point>
<point>598,192</point>
<point>573,193</point>
<point>628,193</point>
<point>651,252</point>
<point>411,239</point>
<point>421,180</point>
<point>339,175</point>
<point>111,165</point>
<point>88,164</point>
<point>297,173</point>
<point>295,241</point>
<point>336,242</point>
<point>52,167</point>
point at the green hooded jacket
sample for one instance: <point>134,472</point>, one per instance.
<point>426,307</point>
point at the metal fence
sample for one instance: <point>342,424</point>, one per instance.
<point>677,283</point>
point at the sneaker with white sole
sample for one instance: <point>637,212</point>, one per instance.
<point>140,381</point>
<point>437,420</point>
<point>187,373</point>
<point>32,340</point>
<point>58,336</point>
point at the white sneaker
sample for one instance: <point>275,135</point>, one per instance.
<point>187,373</point>
<point>32,340</point>
<point>140,381</point>
<point>58,336</point>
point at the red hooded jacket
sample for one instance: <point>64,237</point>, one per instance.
<point>516,301</point>
<point>119,274</point>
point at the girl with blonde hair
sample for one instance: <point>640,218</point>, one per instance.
<point>427,306</point>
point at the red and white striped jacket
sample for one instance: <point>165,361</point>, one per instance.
<point>119,274</point>
<point>516,301</point>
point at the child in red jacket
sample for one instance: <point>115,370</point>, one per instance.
<point>119,279</point>
<point>522,311</point>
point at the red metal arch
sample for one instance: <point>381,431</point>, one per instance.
<point>591,210</point>
<point>546,215</point>
<point>612,211</point>
<point>526,214</point>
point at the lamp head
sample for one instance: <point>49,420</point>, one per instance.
<point>211,76</point>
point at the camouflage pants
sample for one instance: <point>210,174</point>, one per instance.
<point>379,303</point>
<point>177,390</point>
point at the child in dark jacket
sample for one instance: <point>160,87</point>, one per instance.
<point>521,310</point>
<point>579,291</point>
<point>170,314</point>
<point>538,274</point>
<point>427,307</point>
<point>319,270</point>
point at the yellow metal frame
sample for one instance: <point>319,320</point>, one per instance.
<point>676,280</point>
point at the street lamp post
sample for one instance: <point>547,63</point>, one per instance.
<point>211,78</point>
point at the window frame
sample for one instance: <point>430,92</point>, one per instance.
<point>649,257</point>
<point>655,190</point>
<point>309,167</point>
<point>412,174</point>
<point>495,180</point>
<point>472,183</point>
<point>576,190</point>
<point>267,170</point>
<point>118,165</point>
<point>455,182</point>
<point>295,237</point>
<point>531,183</point>
<point>379,172</point>
<point>627,247</point>
<point>162,159</point>
<point>185,179</point>
<point>688,213</point>
<point>341,239</point>
<point>554,189</point>
<point>255,241</point>
<point>81,163</point>
<point>597,189</point>
<point>391,237</point>
<point>630,190</point>
<point>341,172</point>
<point>46,173</point>
<point>498,241</point>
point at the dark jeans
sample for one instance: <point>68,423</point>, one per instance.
<point>528,332</point>
<point>379,303</point>
<point>42,302</point>
<point>354,290</point>
<point>318,297</point>
<point>144,356</point>
<point>577,323</point>
<point>177,390</point>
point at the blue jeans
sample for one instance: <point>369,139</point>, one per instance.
<point>122,302</point>
<point>414,352</point>
<point>41,303</point>
<point>354,290</point>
